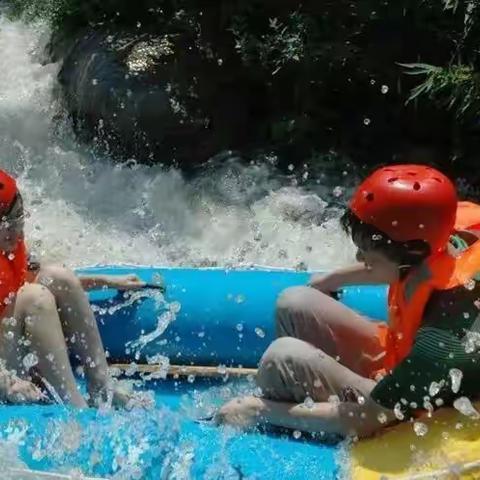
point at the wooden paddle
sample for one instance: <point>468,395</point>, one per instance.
<point>187,370</point>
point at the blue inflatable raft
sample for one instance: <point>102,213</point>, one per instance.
<point>214,316</point>
<point>204,317</point>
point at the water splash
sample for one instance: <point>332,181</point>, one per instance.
<point>465,407</point>
<point>88,210</point>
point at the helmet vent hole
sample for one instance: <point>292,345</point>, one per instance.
<point>412,174</point>
<point>437,179</point>
<point>416,186</point>
<point>370,197</point>
<point>2,186</point>
<point>393,179</point>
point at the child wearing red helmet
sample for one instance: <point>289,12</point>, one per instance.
<point>44,315</point>
<point>332,370</point>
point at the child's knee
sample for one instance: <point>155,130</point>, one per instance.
<point>297,305</point>
<point>33,299</point>
<point>59,277</point>
<point>286,351</point>
<point>291,300</point>
<point>283,365</point>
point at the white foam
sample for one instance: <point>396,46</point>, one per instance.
<point>85,210</point>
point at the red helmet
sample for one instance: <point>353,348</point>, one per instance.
<point>8,191</point>
<point>408,202</point>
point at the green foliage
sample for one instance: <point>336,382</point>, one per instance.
<point>313,72</point>
<point>281,44</point>
<point>455,87</point>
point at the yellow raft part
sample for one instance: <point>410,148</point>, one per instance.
<point>449,449</point>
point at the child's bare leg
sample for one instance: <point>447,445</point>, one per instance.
<point>36,321</point>
<point>80,329</point>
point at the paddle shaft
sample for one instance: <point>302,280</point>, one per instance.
<point>187,370</point>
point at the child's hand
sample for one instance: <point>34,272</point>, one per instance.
<point>23,391</point>
<point>125,282</point>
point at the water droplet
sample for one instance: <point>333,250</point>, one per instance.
<point>366,122</point>
<point>465,407</point>
<point>309,403</point>
<point>361,400</point>
<point>434,389</point>
<point>260,332</point>
<point>382,418</point>
<point>466,315</point>
<point>291,167</point>
<point>338,191</point>
<point>398,412</point>
<point>470,284</point>
<point>50,357</point>
<point>222,369</point>
<point>94,81</point>
<point>469,346</point>
<point>439,402</point>
<point>191,378</point>
<point>445,435</point>
<point>420,429</point>
<point>385,89</point>
<point>11,256</point>
<point>240,298</point>
<point>46,281</point>
<point>456,376</point>
<point>10,321</point>
<point>421,226</point>
<point>333,399</point>
<point>372,82</point>
<point>297,434</point>
<point>220,62</point>
<point>317,383</point>
<point>239,327</point>
<point>395,223</point>
<point>30,360</point>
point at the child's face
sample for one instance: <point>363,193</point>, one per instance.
<point>379,264</point>
<point>11,227</point>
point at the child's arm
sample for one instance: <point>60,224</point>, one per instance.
<point>118,282</point>
<point>357,274</point>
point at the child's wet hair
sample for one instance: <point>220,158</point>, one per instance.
<point>368,238</point>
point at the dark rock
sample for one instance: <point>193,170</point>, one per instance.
<point>152,97</point>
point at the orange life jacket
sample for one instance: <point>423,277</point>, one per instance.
<point>407,298</point>
<point>13,272</point>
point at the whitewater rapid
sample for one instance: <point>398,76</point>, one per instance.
<point>85,210</point>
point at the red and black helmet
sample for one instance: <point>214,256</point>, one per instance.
<point>8,191</point>
<point>408,202</point>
